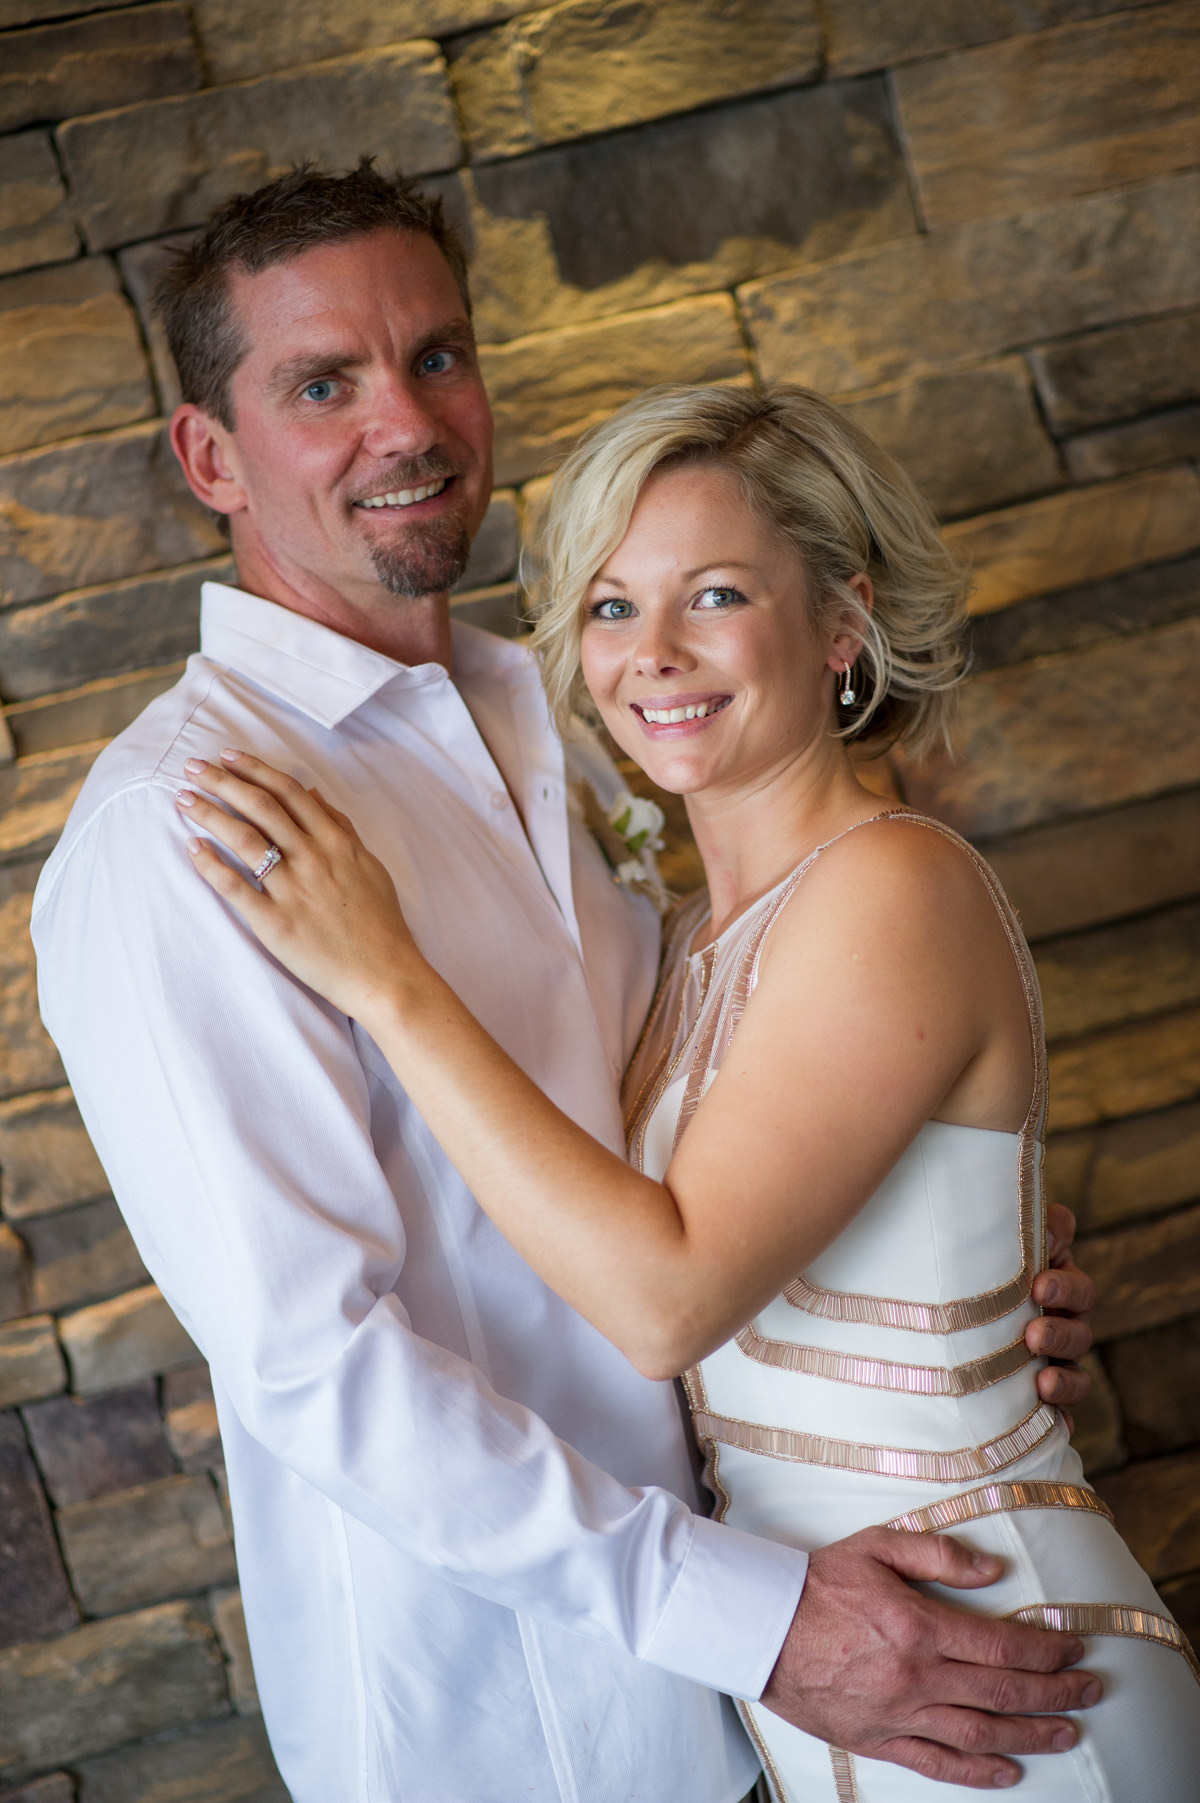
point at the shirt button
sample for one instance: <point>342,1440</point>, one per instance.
<point>498,799</point>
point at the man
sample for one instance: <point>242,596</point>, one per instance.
<point>471,1561</point>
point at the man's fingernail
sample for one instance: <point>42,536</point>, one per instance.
<point>987,1562</point>
<point>1064,1740</point>
<point>185,798</point>
<point>231,757</point>
<point>1053,1291</point>
<point>1003,1780</point>
<point>194,766</point>
<point>1091,1695</point>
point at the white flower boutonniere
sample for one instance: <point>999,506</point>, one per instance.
<point>628,833</point>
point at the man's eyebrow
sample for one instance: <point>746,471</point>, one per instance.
<point>297,370</point>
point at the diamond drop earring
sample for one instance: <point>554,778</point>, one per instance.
<point>847,696</point>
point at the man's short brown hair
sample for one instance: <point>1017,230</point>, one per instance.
<point>304,207</point>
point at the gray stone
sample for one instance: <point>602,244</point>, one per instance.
<point>54,71</point>
<point>494,551</point>
<point>35,1601</point>
<point>1097,1435</point>
<point>46,1158</point>
<point>28,1059</point>
<point>1127,1070</point>
<point>497,609</point>
<point>1127,603</point>
<point>594,65</point>
<point>107,1683</point>
<point>106,630</point>
<point>230,1624</point>
<point>1157,1506</point>
<point>190,1416</point>
<point>871,34</point>
<point>96,510</point>
<point>1135,445</point>
<point>119,1342</point>
<point>70,342</point>
<point>36,796</point>
<point>921,303</point>
<point>547,388</point>
<point>1145,1275</point>
<point>29,12</point>
<point>141,265</point>
<point>969,439</point>
<point>1087,106</point>
<point>35,220</point>
<point>1078,873</point>
<point>1118,973</point>
<point>1121,372</point>
<point>229,1762</point>
<point>57,1788</point>
<point>1141,1167</point>
<point>682,206</point>
<point>93,712</point>
<point>1158,1377</point>
<point>14,1275</point>
<point>240,40</point>
<point>81,1255</point>
<point>194,151</point>
<point>31,1361</point>
<point>89,1447</point>
<point>138,1546</point>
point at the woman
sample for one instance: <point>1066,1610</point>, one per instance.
<point>832,1216</point>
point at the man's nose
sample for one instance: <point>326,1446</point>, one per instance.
<point>400,420</point>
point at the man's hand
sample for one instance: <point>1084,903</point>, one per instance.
<point>872,1665</point>
<point>1063,1332</point>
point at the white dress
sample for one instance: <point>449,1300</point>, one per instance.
<point>890,1383</point>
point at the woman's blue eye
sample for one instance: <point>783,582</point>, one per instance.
<point>719,597</point>
<point>436,363</point>
<point>318,391</point>
<point>612,609</point>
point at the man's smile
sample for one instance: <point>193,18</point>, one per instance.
<point>405,497</point>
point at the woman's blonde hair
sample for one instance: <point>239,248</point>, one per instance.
<point>840,500</point>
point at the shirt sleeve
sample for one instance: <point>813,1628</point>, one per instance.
<point>230,1110</point>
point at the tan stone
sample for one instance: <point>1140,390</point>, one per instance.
<point>54,71</point>
<point>1142,1166</point>
<point>140,266</point>
<point>190,1418</point>
<point>1135,445</point>
<point>224,1762</point>
<point>922,303</point>
<point>495,546</point>
<point>548,388</point>
<point>240,41</point>
<point>1158,1377</point>
<point>107,1683</point>
<point>47,1161</point>
<point>1078,108</point>
<point>1067,734</point>
<point>70,343</point>
<point>94,712</point>
<point>1119,973</point>
<point>83,1254</point>
<point>871,34</point>
<point>1130,602</point>
<point>95,510</point>
<point>194,151</point>
<point>36,795</point>
<point>1114,374</point>
<point>230,1624</point>
<point>90,1446</point>
<point>28,1059</point>
<point>14,1276</point>
<point>29,12</point>
<point>140,1546</point>
<point>121,1341</point>
<point>1127,1070</point>
<point>595,65</point>
<point>1157,1506</point>
<point>56,1788</point>
<point>35,220</point>
<point>1079,536</point>
<point>31,1364</point>
<point>1065,876</point>
<point>1144,1275</point>
<point>1097,1435</point>
<point>497,609</point>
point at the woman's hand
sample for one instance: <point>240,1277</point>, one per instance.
<point>327,909</point>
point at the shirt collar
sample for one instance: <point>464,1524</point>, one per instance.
<point>321,672</point>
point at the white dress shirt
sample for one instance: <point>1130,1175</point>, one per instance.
<point>466,1529</point>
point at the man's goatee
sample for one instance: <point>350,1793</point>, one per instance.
<point>430,561</point>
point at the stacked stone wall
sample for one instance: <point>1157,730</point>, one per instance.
<point>975,222</point>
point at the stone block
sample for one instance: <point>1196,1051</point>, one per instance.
<point>872,34</point>
<point>138,1546</point>
<point>1182,1598</point>
<point>240,41</point>
<point>1157,1507</point>
<point>36,795</point>
<point>1127,1070</point>
<point>81,1255</point>
<point>35,220</point>
<point>190,1415</point>
<point>494,550</point>
<point>498,609</point>
<point>1119,373</point>
<point>969,439</point>
<point>31,1361</point>
<point>1067,734</point>
<point>919,304</point>
<point>1131,602</point>
<point>1079,536</point>
<point>1081,872</point>
<point>595,65</point>
<point>1097,1435</point>
<point>1076,108</point>
<point>1119,973</point>
<point>29,12</point>
<point>230,1624</point>
<point>141,266</point>
<point>95,510</point>
<point>1135,445</point>
<point>55,71</point>
<point>71,344</point>
<point>122,1341</point>
<point>28,1059</point>
<point>117,627</point>
<point>1145,1275</point>
<point>94,711</point>
<point>14,1275</point>
<point>228,1762</point>
<point>1142,1166</point>
<point>56,1788</point>
<point>195,150</point>
<point>89,1447</point>
<point>46,1158</point>
<point>548,388</point>
<point>681,206</point>
<point>107,1683</point>
<point>1158,1377</point>
<point>35,1601</point>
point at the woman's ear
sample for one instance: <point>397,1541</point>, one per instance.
<point>207,457</point>
<point>847,643</point>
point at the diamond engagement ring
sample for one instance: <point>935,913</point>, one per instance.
<point>270,858</point>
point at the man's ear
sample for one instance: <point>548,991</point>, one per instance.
<point>204,448</point>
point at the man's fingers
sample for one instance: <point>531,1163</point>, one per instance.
<point>1065,1386</point>
<point>1060,1231</point>
<point>946,1765</point>
<point>935,1559</point>
<point>1058,1337</point>
<point>1065,1287</point>
<point>984,1643</point>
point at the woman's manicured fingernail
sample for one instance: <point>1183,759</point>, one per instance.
<point>194,766</point>
<point>230,757</point>
<point>194,845</point>
<point>186,798</point>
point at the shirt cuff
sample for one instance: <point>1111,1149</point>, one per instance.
<point>730,1610</point>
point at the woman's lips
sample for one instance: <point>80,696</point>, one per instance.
<point>677,711</point>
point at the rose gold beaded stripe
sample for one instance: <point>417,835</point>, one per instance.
<point>1117,1619</point>
<point>778,1793</point>
<point>997,1499</point>
<point>916,1317</point>
<point>881,1461</point>
<point>885,1374</point>
<point>844,1782</point>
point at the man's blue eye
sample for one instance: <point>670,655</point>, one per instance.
<point>318,391</point>
<point>435,363</point>
<point>612,609</point>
